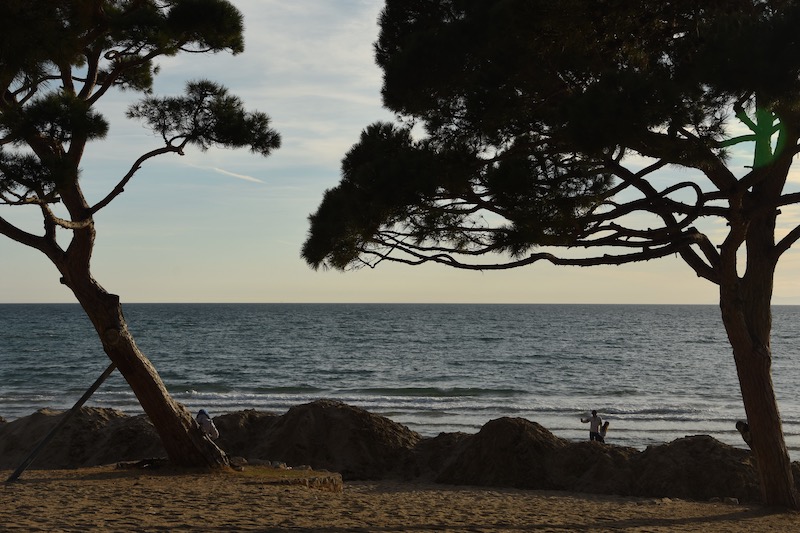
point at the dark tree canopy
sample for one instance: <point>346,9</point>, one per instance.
<point>529,110</point>
<point>57,60</point>
<point>587,132</point>
<point>85,48</point>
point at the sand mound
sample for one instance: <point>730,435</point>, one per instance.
<point>510,452</point>
<point>93,436</point>
<point>328,435</point>
<point>696,468</point>
<point>334,436</point>
<point>325,435</point>
<point>245,433</point>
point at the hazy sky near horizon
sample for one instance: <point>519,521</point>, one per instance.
<point>227,226</point>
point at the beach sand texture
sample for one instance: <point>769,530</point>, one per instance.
<point>108,499</point>
<point>388,472</point>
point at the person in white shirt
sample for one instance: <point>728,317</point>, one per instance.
<point>594,427</point>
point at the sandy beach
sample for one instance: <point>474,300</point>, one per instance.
<point>108,499</point>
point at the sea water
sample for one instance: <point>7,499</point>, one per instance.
<point>656,372</point>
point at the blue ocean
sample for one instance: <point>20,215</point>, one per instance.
<point>655,372</point>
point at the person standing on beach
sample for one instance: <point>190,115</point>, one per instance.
<point>594,427</point>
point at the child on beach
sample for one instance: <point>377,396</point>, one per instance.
<point>207,425</point>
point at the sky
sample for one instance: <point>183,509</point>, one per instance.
<point>228,226</point>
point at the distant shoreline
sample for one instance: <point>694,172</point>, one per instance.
<point>405,303</point>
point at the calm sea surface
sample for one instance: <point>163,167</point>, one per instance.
<point>656,373</point>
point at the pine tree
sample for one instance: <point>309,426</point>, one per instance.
<point>530,129</point>
<point>57,60</point>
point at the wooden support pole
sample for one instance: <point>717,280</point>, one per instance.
<point>27,462</point>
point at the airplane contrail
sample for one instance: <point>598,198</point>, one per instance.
<point>239,176</point>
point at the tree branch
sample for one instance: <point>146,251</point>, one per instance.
<point>450,260</point>
<point>736,140</point>
<point>786,242</point>
<point>690,152</point>
<point>23,237</point>
<point>120,187</point>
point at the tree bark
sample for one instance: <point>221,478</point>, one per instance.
<point>746,315</point>
<point>182,438</point>
<point>746,305</point>
<point>768,445</point>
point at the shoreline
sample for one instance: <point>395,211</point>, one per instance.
<point>576,434</point>
<point>103,498</point>
<point>359,445</point>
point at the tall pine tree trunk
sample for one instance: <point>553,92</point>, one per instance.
<point>745,303</point>
<point>753,366</point>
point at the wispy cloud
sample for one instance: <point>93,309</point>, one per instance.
<point>244,177</point>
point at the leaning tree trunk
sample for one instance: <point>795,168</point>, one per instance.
<point>184,442</point>
<point>182,438</point>
<point>746,314</point>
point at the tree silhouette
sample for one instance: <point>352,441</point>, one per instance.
<point>531,130</point>
<point>57,60</point>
